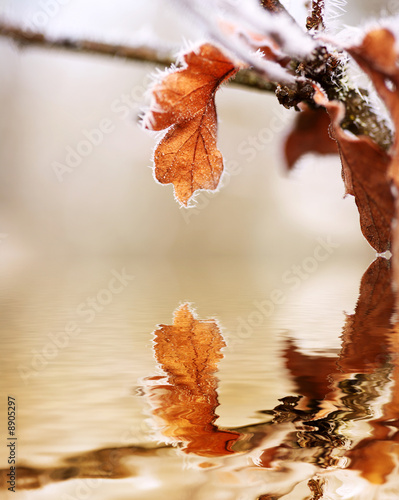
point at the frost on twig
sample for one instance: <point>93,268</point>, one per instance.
<point>153,54</point>
<point>315,19</point>
<point>229,26</point>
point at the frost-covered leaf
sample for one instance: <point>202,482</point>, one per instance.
<point>364,171</point>
<point>184,104</point>
<point>378,56</point>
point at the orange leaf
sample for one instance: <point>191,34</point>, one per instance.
<point>309,135</point>
<point>184,103</point>
<point>364,171</point>
<point>188,352</point>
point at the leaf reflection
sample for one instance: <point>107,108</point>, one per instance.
<point>358,385</point>
<point>185,399</point>
<point>341,427</point>
<point>366,334</point>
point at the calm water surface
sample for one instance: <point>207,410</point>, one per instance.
<point>211,379</point>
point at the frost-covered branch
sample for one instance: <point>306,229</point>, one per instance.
<point>24,38</point>
<point>308,57</point>
<point>140,53</point>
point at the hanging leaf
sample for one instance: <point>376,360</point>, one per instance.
<point>378,56</point>
<point>184,103</point>
<point>309,135</point>
<point>365,174</point>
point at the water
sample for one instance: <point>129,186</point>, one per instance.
<point>218,378</point>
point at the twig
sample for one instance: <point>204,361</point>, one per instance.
<point>24,38</point>
<point>273,6</point>
<point>315,19</point>
<point>141,53</point>
<point>371,124</point>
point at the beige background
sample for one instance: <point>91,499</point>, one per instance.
<point>110,203</point>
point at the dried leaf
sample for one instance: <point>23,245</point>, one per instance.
<point>364,171</point>
<point>377,55</point>
<point>266,45</point>
<point>365,338</point>
<point>184,103</point>
<point>309,135</point>
<point>185,400</point>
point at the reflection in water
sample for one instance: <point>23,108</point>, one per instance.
<point>340,392</point>
<point>185,399</point>
<point>107,463</point>
<point>336,438</point>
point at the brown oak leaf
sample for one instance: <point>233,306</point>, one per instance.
<point>378,56</point>
<point>184,104</point>
<point>309,135</point>
<point>364,171</point>
<point>185,400</point>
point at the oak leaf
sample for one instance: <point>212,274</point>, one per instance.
<point>184,104</point>
<point>309,135</point>
<point>365,174</point>
<point>185,400</point>
<point>378,56</point>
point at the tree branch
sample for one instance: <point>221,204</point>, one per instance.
<point>24,38</point>
<point>360,117</point>
<point>141,53</point>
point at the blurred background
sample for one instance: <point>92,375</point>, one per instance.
<point>109,203</point>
